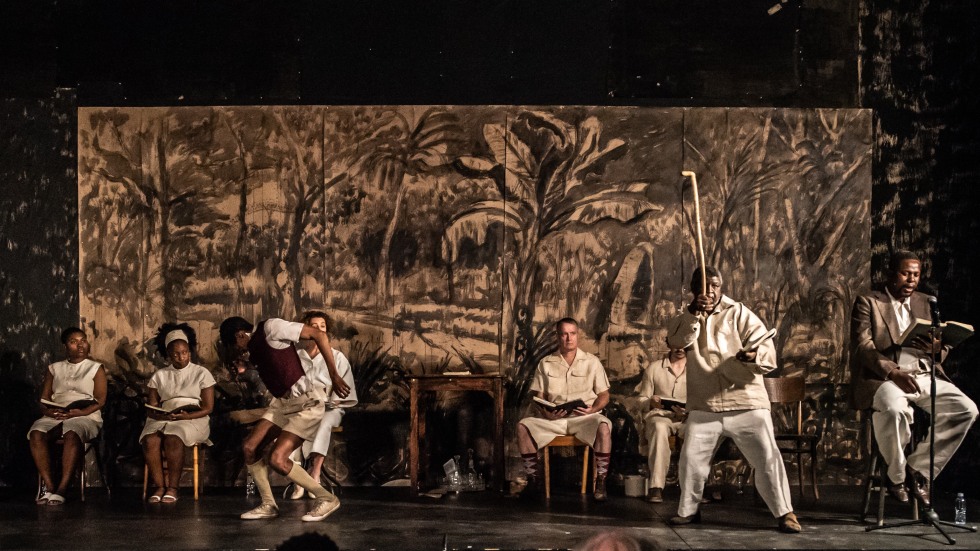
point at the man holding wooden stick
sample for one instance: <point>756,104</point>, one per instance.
<point>727,396</point>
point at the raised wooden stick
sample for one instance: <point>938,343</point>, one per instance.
<point>697,222</point>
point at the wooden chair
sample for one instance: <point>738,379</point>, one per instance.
<point>790,390</point>
<point>561,442</point>
<point>195,467</point>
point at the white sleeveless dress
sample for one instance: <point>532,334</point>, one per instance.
<point>72,382</point>
<point>180,387</point>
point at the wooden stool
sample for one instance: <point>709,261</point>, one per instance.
<point>194,468</point>
<point>564,441</point>
<point>877,476</point>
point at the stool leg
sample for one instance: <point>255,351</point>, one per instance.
<point>585,469</point>
<point>195,473</point>
<point>547,472</point>
<point>146,479</point>
<point>813,474</point>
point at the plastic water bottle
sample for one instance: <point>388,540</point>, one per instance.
<point>250,489</point>
<point>960,509</point>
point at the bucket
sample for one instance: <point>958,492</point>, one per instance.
<point>636,485</point>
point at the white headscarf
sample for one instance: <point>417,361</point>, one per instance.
<point>175,335</point>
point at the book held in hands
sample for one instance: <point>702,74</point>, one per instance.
<point>567,406</point>
<point>77,404</point>
<point>188,408</point>
<point>953,332</point>
<point>669,403</point>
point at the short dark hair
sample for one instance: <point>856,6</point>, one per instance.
<point>897,257</point>
<point>230,326</point>
<point>709,272</point>
<point>310,314</point>
<point>310,541</point>
<point>67,333</point>
<point>559,323</point>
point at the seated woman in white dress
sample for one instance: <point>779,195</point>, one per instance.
<point>78,384</point>
<point>185,390</point>
<point>316,450</point>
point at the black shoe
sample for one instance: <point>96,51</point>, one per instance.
<point>681,521</point>
<point>655,495</point>
<point>919,486</point>
<point>600,488</point>
<point>532,490</point>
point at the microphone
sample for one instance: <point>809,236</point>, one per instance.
<point>934,308</point>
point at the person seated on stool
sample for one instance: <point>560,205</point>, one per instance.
<point>77,381</point>
<point>568,375</point>
<point>726,397</point>
<point>293,415</point>
<point>890,378</point>
<point>665,378</point>
<point>186,389</point>
<point>313,362</point>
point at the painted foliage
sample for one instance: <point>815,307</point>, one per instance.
<point>452,237</point>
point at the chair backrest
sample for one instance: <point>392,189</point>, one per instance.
<point>783,390</point>
<point>786,390</point>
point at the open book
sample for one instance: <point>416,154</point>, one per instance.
<point>567,406</point>
<point>187,408</point>
<point>669,403</point>
<point>954,332</point>
<point>178,405</point>
<point>754,344</point>
<point>77,404</point>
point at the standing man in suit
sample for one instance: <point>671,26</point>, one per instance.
<point>890,378</point>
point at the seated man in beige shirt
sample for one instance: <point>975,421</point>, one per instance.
<point>665,378</point>
<point>568,375</point>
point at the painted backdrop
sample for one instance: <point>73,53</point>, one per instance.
<point>444,237</point>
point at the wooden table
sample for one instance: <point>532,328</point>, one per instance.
<point>419,384</point>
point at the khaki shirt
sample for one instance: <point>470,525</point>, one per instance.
<point>559,382</point>
<point>719,382</point>
<point>659,380</point>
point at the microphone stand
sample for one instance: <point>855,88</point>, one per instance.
<point>929,516</point>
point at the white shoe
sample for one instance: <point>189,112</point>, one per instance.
<point>322,508</point>
<point>297,492</point>
<point>265,510</point>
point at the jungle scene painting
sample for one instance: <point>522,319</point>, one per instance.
<point>452,238</point>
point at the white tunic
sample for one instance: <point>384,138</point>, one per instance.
<point>180,387</point>
<point>71,382</point>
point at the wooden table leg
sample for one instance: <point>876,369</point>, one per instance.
<point>413,439</point>
<point>500,474</point>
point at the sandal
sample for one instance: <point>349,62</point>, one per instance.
<point>156,497</point>
<point>43,498</point>
<point>169,497</point>
<point>55,499</point>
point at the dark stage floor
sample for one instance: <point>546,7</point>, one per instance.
<point>389,519</point>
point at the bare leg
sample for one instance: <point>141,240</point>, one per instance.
<point>316,465</point>
<point>173,447</point>
<point>525,443</point>
<point>72,454</point>
<point>603,439</point>
<point>41,452</point>
<point>154,461</point>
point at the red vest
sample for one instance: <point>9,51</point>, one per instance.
<point>279,368</point>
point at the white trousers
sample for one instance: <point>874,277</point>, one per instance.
<point>321,442</point>
<point>658,430</point>
<point>752,432</point>
<point>892,419</point>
